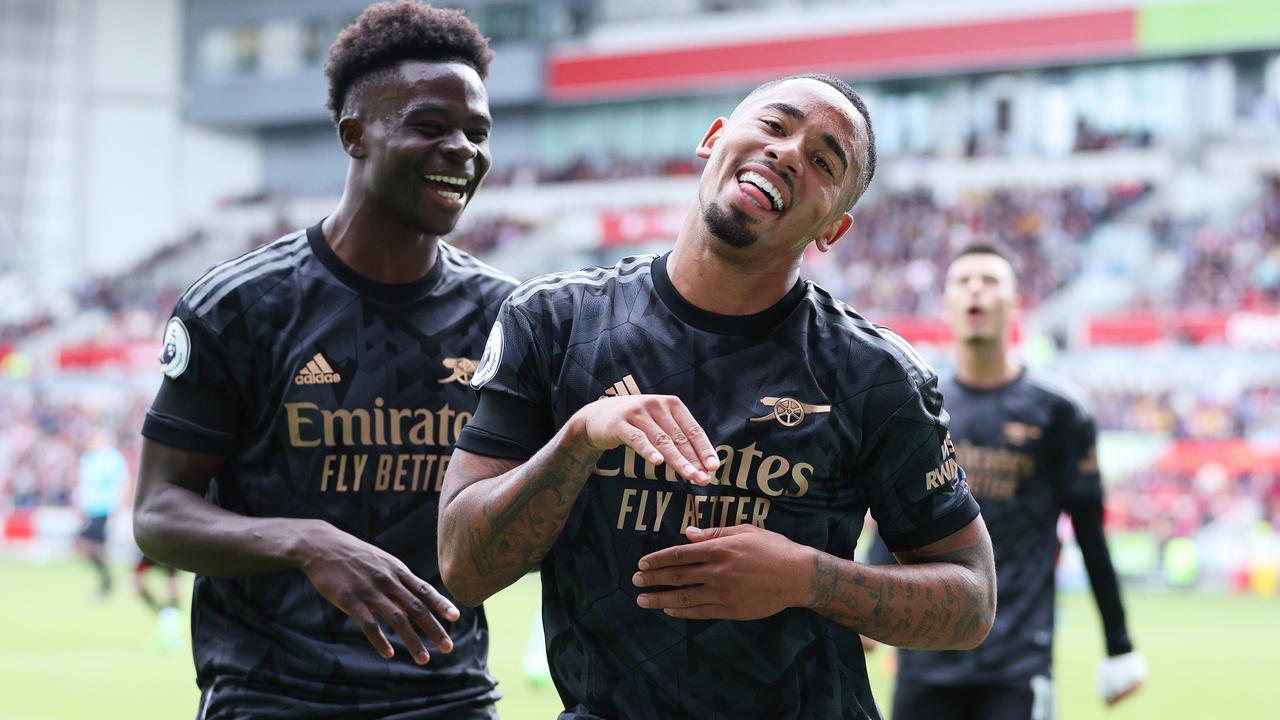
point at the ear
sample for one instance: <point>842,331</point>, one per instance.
<point>351,135</point>
<point>833,232</point>
<point>709,140</point>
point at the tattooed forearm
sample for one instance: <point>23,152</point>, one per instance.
<point>942,598</point>
<point>498,519</point>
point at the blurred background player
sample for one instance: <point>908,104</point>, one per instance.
<point>313,391</point>
<point>168,630</point>
<point>104,476</point>
<point>1028,447</point>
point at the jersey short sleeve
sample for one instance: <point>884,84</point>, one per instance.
<point>198,405</point>
<point>915,488</point>
<point>513,419</point>
<point>1075,471</point>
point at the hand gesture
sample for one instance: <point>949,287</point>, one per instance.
<point>362,581</point>
<point>736,573</point>
<point>658,427</point>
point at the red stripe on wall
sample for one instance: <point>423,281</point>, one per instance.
<point>575,76</point>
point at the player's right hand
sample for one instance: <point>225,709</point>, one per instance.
<point>658,427</point>
<point>366,583</point>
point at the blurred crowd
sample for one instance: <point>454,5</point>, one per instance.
<point>1227,264</point>
<point>895,256</point>
<point>1192,413</point>
<point>1173,504</point>
<point>43,438</point>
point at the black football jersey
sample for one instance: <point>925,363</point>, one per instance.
<point>1028,448</point>
<point>333,397</point>
<point>816,414</point>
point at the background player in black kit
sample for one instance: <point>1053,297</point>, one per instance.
<point>701,568</point>
<point>295,451</point>
<point>1028,449</point>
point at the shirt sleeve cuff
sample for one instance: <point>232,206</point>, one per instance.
<point>482,442</point>
<point>182,434</point>
<point>957,518</point>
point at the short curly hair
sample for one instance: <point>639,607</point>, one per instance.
<point>389,33</point>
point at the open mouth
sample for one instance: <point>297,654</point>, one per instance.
<point>762,193</point>
<point>448,187</point>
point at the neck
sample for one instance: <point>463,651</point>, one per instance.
<point>726,280</point>
<point>375,245</point>
<point>986,364</point>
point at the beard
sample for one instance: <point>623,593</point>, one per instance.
<point>730,226</point>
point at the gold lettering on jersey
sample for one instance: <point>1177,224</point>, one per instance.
<point>379,430</point>
<point>377,426</point>
<point>462,369</point>
<point>994,473</point>
<point>743,469</point>
<point>948,471</point>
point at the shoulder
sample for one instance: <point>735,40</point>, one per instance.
<point>228,288</point>
<point>490,280</point>
<point>1065,396</point>
<point>868,345</point>
<point>566,288</point>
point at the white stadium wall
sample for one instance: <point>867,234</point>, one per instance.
<point>146,176</point>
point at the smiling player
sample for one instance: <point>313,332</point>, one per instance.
<point>313,391</point>
<point>687,445</point>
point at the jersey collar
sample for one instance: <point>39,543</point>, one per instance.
<point>395,293</point>
<point>761,323</point>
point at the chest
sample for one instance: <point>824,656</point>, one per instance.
<point>1006,445</point>
<point>772,416</point>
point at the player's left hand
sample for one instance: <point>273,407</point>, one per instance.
<point>1121,676</point>
<point>735,573</point>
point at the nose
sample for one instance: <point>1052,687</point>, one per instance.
<point>786,153</point>
<point>457,144</point>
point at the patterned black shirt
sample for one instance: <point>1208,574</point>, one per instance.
<point>332,397</point>
<point>1028,448</point>
<point>817,415</point>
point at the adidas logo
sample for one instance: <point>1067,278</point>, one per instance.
<point>624,387</point>
<point>317,372</point>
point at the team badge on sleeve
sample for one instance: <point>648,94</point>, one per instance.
<point>491,358</point>
<point>177,348</point>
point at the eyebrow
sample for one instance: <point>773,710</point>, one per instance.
<point>429,107</point>
<point>831,142</point>
<point>786,109</point>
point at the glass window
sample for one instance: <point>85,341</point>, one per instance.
<point>248,45</point>
<point>217,54</point>
<point>315,41</point>
<point>281,47</point>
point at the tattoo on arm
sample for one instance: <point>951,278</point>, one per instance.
<point>512,516</point>
<point>943,597</point>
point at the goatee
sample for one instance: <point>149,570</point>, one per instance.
<point>731,226</point>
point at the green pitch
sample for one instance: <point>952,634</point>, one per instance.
<point>64,656</point>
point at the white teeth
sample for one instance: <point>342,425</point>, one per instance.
<point>447,179</point>
<point>449,195</point>
<point>755,178</point>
